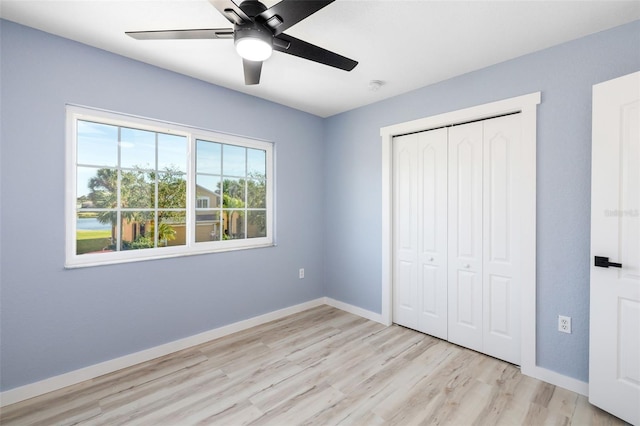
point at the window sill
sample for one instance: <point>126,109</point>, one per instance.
<point>96,261</point>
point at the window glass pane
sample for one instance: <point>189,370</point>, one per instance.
<point>172,152</point>
<point>209,157</point>
<point>256,163</point>
<point>256,224</point>
<point>233,193</point>
<point>97,144</point>
<point>97,188</point>
<point>137,148</point>
<point>209,187</point>
<point>234,161</point>
<point>208,227</point>
<point>233,224</point>
<point>172,191</point>
<point>256,194</point>
<point>137,230</point>
<point>172,228</point>
<point>93,233</point>
<point>137,189</point>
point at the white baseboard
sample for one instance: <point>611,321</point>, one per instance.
<point>557,379</point>
<point>354,310</point>
<point>32,390</point>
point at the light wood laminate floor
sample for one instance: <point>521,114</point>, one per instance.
<point>321,367</point>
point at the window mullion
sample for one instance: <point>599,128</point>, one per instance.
<point>118,223</point>
<point>191,205</point>
<point>156,213</point>
<point>246,192</point>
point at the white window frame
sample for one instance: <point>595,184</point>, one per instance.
<point>73,260</point>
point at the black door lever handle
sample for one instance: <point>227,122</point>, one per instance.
<point>603,262</point>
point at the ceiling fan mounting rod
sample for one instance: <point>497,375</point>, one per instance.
<point>252,8</point>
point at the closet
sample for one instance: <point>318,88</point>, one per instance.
<point>455,234</point>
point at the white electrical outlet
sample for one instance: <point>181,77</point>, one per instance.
<point>301,273</point>
<point>564,324</point>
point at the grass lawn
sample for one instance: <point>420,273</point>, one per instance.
<point>83,234</point>
<point>90,240</point>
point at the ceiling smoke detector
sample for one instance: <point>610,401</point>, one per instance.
<point>375,85</point>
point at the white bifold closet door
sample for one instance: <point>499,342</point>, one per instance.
<point>420,232</point>
<point>456,233</point>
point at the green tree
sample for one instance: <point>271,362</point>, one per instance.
<point>137,191</point>
<point>104,195</point>
<point>233,193</point>
<point>256,191</point>
<point>257,199</point>
<point>245,193</point>
<point>165,233</point>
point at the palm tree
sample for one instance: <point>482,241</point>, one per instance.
<point>135,192</point>
<point>104,195</point>
<point>165,233</point>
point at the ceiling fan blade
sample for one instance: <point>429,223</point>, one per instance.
<point>293,46</point>
<point>231,11</point>
<point>287,13</point>
<point>208,33</point>
<point>252,70</point>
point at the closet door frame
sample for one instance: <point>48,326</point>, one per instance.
<point>527,106</point>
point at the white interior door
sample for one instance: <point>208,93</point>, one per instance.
<point>501,261</point>
<point>614,340</point>
<point>465,235</point>
<point>420,232</point>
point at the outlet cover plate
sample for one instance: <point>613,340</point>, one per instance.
<point>564,324</point>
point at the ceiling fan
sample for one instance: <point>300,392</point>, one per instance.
<point>257,31</point>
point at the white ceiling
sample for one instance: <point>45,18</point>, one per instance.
<point>406,44</point>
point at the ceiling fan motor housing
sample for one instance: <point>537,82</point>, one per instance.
<point>253,30</point>
<point>252,8</point>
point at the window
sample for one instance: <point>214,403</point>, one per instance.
<point>202,203</point>
<point>141,189</point>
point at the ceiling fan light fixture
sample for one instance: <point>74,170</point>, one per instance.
<point>253,49</point>
<point>253,44</point>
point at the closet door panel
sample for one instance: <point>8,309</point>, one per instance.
<point>465,235</point>
<point>405,212</point>
<point>500,265</point>
<point>432,225</point>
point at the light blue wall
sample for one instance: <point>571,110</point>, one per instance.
<point>55,320</point>
<point>565,75</point>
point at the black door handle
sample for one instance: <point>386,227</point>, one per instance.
<point>603,262</point>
